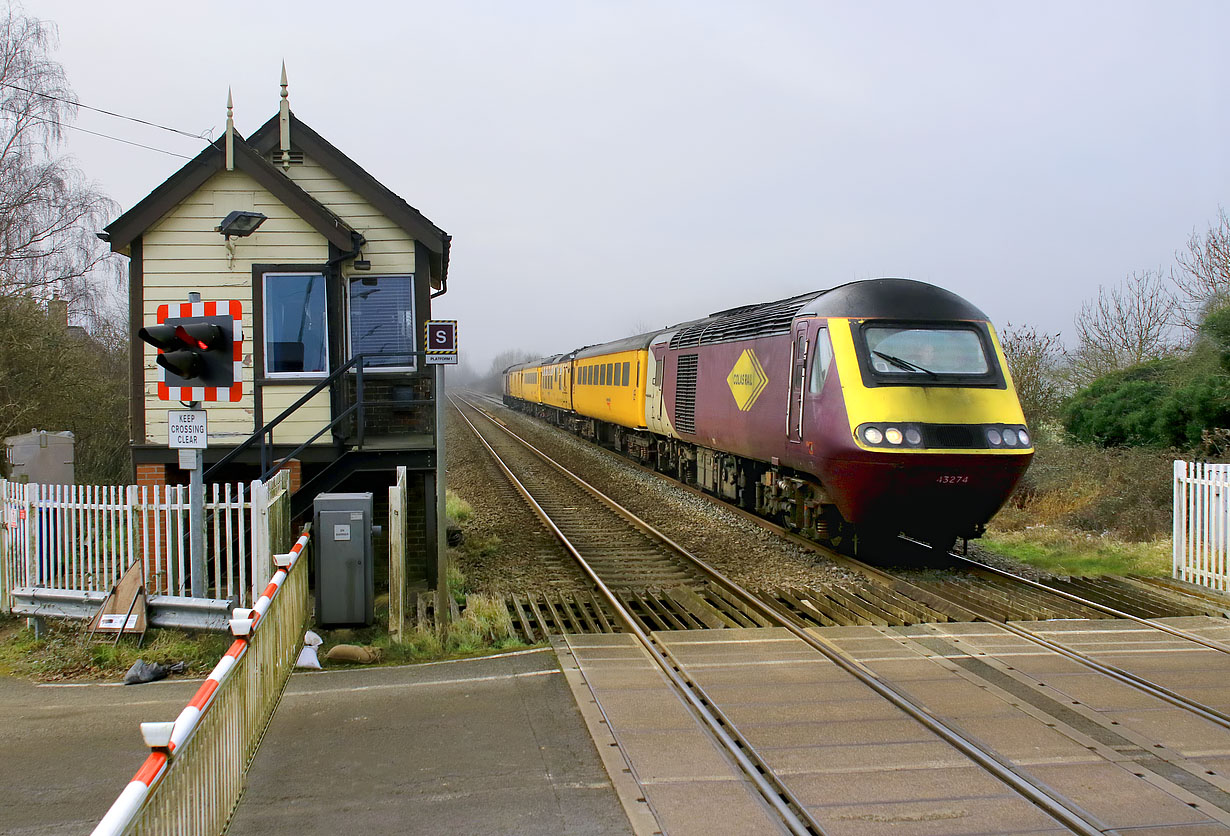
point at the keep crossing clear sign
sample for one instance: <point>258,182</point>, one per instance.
<point>186,429</point>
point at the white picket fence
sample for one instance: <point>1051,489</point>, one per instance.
<point>84,537</point>
<point>1202,524</point>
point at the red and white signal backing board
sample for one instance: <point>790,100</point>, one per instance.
<point>206,393</point>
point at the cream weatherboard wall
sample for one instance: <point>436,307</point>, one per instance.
<point>182,254</point>
<point>388,247</point>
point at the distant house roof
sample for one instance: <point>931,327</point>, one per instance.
<point>132,224</point>
<point>266,138</point>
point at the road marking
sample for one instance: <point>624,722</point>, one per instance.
<point>464,681</point>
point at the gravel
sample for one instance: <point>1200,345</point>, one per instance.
<point>745,552</point>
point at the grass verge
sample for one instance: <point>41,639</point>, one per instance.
<point>1067,551</point>
<point>64,652</point>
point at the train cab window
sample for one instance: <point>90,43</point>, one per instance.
<point>627,366</point>
<point>821,359</point>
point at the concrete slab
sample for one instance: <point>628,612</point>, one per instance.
<point>1185,733</point>
<point>1172,830</point>
<point>835,733</point>
<point>939,818</point>
<point>965,782</point>
<point>1116,796</point>
<point>690,810</point>
<point>688,782</point>
<point>488,745</point>
<point>957,697</point>
<point>932,754</point>
<point>829,692</point>
<point>1024,740</point>
<point>674,755</point>
<point>803,710</point>
<point>1101,693</point>
<point>774,672</point>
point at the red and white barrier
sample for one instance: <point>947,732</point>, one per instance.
<point>129,803</point>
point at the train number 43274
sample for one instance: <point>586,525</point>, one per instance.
<point>952,479</point>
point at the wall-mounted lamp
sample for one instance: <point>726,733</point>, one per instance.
<point>240,224</point>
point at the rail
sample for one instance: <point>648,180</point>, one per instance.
<point>1037,793</point>
<point>195,773</point>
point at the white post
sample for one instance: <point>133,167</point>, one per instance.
<point>260,537</point>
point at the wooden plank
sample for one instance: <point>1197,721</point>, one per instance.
<point>527,629</point>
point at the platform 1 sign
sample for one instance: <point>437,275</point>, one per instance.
<point>186,429</point>
<point>441,341</point>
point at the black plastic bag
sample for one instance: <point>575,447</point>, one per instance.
<point>143,671</point>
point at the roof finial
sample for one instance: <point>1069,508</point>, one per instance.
<point>230,131</point>
<point>284,122</point>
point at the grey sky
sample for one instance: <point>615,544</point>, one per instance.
<point>640,163</point>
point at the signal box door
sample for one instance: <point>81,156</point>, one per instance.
<point>798,381</point>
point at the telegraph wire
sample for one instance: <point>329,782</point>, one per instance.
<point>108,136</point>
<point>203,135</point>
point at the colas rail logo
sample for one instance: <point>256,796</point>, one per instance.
<point>747,380</point>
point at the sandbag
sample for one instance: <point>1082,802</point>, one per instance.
<point>353,653</point>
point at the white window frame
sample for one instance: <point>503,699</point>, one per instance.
<point>414,345</point>
<point>271,375</point>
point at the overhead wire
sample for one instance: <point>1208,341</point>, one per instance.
<point>108,136</point>
<point>203,135</point>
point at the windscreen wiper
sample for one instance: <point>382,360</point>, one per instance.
<point>905,365</point>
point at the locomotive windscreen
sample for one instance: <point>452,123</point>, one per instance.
<point>926,351</point>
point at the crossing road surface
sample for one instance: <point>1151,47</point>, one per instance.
<point>492,745</point>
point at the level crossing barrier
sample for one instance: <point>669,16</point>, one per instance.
<point>195,773</point>
<point>1202,524</point>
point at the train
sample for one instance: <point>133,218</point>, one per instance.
<point>854,415</point>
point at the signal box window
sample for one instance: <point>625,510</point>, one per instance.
<point>296,335</point>
<point>382,320</point>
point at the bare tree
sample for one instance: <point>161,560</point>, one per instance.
<point>1124,326</point>
<point>1203,274</point>
<point>48,211</point>
<point>1035,359</point>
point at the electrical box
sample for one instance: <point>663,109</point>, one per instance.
<point>345,570</point>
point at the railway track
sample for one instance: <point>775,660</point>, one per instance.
<point>701,597</point>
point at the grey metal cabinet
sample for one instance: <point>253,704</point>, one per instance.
<point>345,569</point>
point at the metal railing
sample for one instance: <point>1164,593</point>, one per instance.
<point>194,776</point>
<point>356,370</point>
<point>1202,524</point>
<point>84,537</point>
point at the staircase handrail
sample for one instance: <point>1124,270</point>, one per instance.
<point>311,393</point>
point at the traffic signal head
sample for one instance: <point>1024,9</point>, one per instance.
<point>196,351</point>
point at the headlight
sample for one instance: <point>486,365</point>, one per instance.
<point>872,435</point>
<point>893,435</point>
<point>1010,437</point>
<point>994,437</point>
<point>1023,437</point>
<point>913,436</point>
